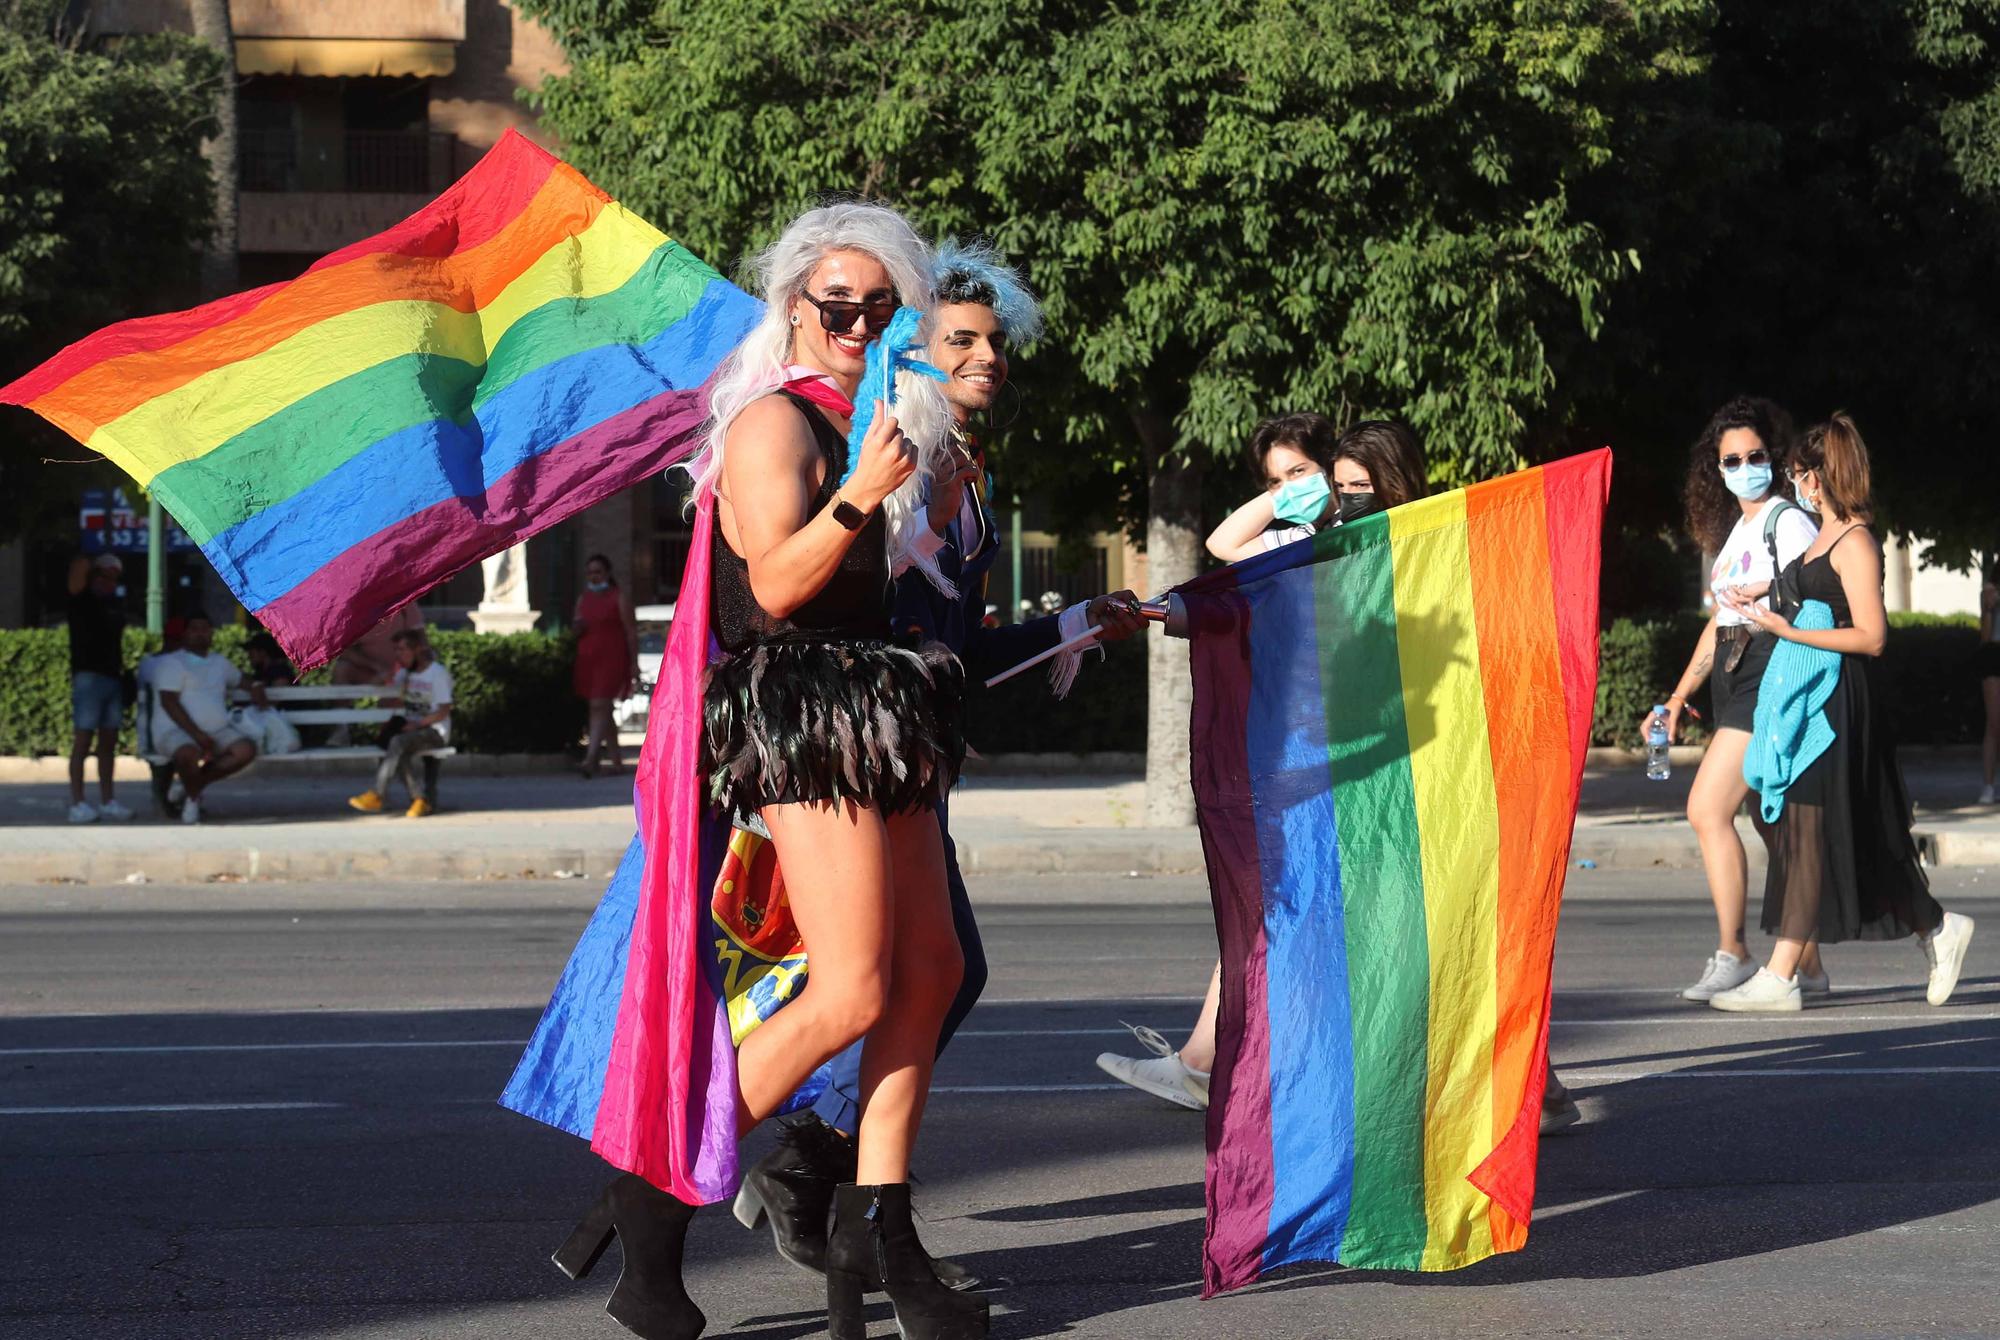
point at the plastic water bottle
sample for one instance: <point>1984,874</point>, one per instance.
<point>1658,766</point>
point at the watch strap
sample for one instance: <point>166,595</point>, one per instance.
<point>847,514</point>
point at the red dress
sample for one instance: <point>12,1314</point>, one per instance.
<point>603,657</point>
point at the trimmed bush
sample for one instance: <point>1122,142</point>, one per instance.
<point>1638,664</point>
<point>1106,711</point>
<point>1929,674</point>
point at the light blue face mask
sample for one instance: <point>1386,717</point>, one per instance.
<point>1749,482</point>
<point>1302,501</point>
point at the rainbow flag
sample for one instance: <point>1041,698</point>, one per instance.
<point>1389,731</point>
<point>519,349</point>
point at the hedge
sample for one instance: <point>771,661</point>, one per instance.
<point>514,690</point>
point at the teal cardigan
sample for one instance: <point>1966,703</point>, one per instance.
<point>1790,729</point>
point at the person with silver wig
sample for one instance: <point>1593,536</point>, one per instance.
<point>838,738</point>
<point>984,311</point>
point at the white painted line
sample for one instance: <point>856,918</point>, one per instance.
<point>1813,1015</point>
<point>1034,1088</point>
<point>117,1109</point>
<point>179,1048</point>
<point>1789,1072</point>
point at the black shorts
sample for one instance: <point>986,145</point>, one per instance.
<point>1733,693</point>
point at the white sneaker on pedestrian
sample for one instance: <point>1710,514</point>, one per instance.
<point>83,812</point>
<point>1764,993</point>
<point>191,812</point>
<point>176,791</point>
<point>114,811</point>
<point>1163,1076</point>
<point>1809,985</point>
<point>1945,949</point>
<point>1986,795</point>
<point>1723,972</point>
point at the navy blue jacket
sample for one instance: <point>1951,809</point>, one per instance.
<point>922,611</point>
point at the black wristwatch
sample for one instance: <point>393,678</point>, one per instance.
<point>847,514</point>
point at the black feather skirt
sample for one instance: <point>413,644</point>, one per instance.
<point>791,721</point>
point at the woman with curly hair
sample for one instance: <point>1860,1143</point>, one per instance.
<point>1737,510</point>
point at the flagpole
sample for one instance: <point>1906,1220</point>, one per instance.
<point>156,567</point>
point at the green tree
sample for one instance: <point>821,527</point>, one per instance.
<point>1229,208</point>
<point>104,206</point>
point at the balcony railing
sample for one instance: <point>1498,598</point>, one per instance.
<point>414,162</point>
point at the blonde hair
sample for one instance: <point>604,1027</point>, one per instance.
<point>1835,452</point>
<point>756,367</point>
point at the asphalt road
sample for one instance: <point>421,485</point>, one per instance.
<point>262,1111</point>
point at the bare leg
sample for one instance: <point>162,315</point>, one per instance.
<point>107,765</point>
<point>837,879</point>
<point>79,749</point>
<point>1989,690</point>
<point>1198,1052</point>
<point>1785,957</point>
<point>926,968</point>
<point>1717,793</point>
<point>600,717</point>
<point>231,760</point>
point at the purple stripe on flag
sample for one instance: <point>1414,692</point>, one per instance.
<point>327,611</point>
<point>1240,1165</point>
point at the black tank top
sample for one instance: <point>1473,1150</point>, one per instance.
<point>854,603</point>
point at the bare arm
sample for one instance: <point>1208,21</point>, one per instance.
<point>170,703</point>
<point>79,574</point>
<point>1241,533</point>
<point>768,482</point>
<point>1691,679</point>
<point>1859,566</point>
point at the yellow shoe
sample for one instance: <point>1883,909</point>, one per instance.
<point>419,808</point>
<point>367,802</point>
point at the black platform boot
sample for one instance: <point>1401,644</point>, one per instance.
<point>874,1245</point>
<point>651,1227</point>
<point>791,1188</point>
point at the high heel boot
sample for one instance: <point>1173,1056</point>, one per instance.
<point>792,1188</point>
<point>874,1245</point>
<point>651,1227</point>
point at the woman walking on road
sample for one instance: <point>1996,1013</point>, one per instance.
<point>607,658</point>
<point>1737,510</point>
<point>1834,810</point>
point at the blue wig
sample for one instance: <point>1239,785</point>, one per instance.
<point>974,272</point>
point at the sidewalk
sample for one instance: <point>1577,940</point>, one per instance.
<point>544,824</point>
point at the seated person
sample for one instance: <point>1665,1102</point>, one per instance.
<point>268,665</point>
<point>424,686</point>
<point>191,715</point>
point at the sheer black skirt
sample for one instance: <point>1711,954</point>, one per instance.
<point>1843,863</point>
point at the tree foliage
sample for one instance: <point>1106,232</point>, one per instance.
<point>104,200</point>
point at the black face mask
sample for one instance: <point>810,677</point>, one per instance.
<point>1354,506</point>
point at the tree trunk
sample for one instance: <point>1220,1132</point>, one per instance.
<point>1173,555</point>
<point>218,261</point>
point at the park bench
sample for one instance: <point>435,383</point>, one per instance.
<point>310,705</point>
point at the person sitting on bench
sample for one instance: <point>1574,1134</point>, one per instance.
<point>191,716</point>
<point>425,688</point>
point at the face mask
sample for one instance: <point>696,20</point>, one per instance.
<point>1354,506</point>
<point>1749,482</point>
<point>1302,501</point>
<point>1811,504</point>
<point>597,586</point>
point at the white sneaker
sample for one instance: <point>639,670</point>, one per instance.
<point>1810,985</point>
<point>1764,993</point>
<point>1724,971</point>
<point>115,812</point>
<point>191,812</point>
<point>1986,795</point>
<point>83,812</point>
<point>1945,949</point>
<point>176,791</point>
<point>1163,1076</point>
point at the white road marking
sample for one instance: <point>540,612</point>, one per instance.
<point>1788,1072</point>
<point>116,1109</point>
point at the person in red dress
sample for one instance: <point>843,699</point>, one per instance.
<point>607,658</point>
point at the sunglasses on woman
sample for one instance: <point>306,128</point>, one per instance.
<point>1758,457</point>
<point>836,315</point>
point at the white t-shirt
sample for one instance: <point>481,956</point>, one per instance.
<point>1278,539</point>
<point>1745,559</point>
<point>425,691</point>
<point>203,682</point>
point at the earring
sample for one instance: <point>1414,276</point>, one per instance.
<point>795,318</point>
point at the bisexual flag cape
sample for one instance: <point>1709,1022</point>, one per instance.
<point>1389,729</point>
<point>515,351</point>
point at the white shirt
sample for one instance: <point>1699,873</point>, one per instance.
<point>203,682</point>
<point>425,691</point>
<point>1745,559</point>
<point>1278,539</point>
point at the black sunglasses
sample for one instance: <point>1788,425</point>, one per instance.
<point>1758,457</point>
<point>836,315</point>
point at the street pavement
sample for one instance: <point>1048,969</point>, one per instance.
<point>277,823</point>
<point>266,1111</point>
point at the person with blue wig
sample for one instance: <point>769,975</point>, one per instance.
<point>984,312</point>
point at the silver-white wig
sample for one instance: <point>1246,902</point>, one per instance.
<point>756,367</point>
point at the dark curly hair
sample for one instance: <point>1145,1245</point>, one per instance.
<point>1712,510</point>
<point>1313,435</point>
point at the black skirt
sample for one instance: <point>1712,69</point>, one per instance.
<point>806,720</point>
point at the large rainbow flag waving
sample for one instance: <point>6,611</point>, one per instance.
<point>1389,731</point>
<point>519,349</point>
